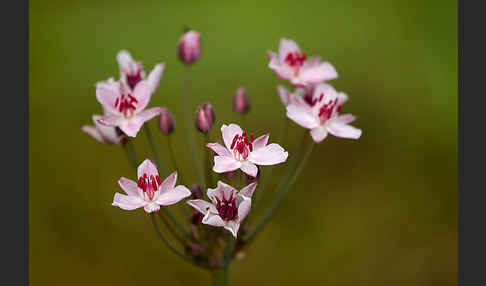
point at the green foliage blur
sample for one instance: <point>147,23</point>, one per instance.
<point>381,210</point>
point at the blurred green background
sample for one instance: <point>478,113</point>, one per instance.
<point>381,210</point>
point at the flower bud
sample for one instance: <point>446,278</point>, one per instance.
<point>166,121</point>
<point>241,103</point>
<point>205,117</point>
<point>196,191</point>
<point>189,47</point>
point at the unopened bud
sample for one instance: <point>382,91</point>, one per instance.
<point>205,117</point>
<point>166,121</point>
<point>189,47</point>
<point>196,191</point>
<point>241,103</point>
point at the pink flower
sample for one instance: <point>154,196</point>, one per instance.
<point>149,192</point>
<point>290,64</point>
<point>104,134</point>
<point>320,114</point>
<point>189,47</point>
<point>288,97</point>
<point>131,72</point>
<point>228,207</point>
<point>126,109</point>
<point>243,153</point>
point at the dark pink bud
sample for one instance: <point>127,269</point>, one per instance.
<point>241,103</point>
<point>166,121</point>
<point>189,47</point>
<point>205,117</point>
<point>196,191</point>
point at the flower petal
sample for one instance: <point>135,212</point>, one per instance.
<point>302,115</point>
<point>147,167</point>
<point>173,196</point>
<point>318,134</point>
<point>127,202</point>
<point>147,114</point>
<point>249,169</point>
<point>151,207</point>
<point>229,133</point>
<point>287,46</point>
<point>202,206</point>
<point>169,183</point>
<point>222,191</point>
<point>345,118</point>
<point>233,227</point>
<point>219,149</point>
<point>106,94</point>
<point>344,130</point>
<point>129,186</point>
<point>284,94</point>
<point>213,219</point>
<point>260,142</point>
<point>108,133</point>
<point>269,155</point>
<point>224,164</point>
<point>244,208</point>
<point>154,77</point>
<point>130,127</point>
<point>93,132</point>
<point>248,190</point>
<point>142,93</point>
<point>126,62</point>
<point>111,120</point>
<point>316,74</point>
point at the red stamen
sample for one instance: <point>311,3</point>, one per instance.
<point>234,141</point>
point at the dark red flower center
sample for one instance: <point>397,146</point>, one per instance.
<point>133,79</point>
<point>241,146</point>
<point>149,184</point>
<point>326,110</point>
<point>227,209</point>
<point>126,104</point>
<point>295,59</point>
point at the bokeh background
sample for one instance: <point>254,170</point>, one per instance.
<point>381,210</point>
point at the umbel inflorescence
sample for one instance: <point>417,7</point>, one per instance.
<point>222,197</point>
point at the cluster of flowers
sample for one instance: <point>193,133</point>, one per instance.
<point>313,104</point>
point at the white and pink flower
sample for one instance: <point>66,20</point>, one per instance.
<point>149,192</point>
<point>125,108</point>
<point>320,114</point>
<point>292,65</point>
<point>131,72</point>
<point>104,134</point>
<point>227,207</point>
<point>242,153</point>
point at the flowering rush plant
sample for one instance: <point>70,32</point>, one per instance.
<point>214,222</point>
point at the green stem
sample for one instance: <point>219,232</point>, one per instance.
<point>175,221</point>
<point>221,276</point>
<point>188,118</point>
<point>167,243</point>
<point>173,158</point>
<point>172,230</point>
<point>207,159</point>
<point>268,175</point>
<point>130,152</point>
<point>280,195</point>
<point>155,150</point>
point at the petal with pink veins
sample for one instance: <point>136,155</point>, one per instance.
<point>202,206</point>
<point>229,133</point>
<point>318,134</point>
<point>154,77</point>
<point>129,186</point>
<point>268,155</point>
<point>248,190</point>
<point>302,115</point>
<point>173,196</point>
<point>142,94</point>
<point>249,168</point>
<point>106,94</point>
<point>219,149</point>
<point>224,164</point>
<point>260,142</point>
<point>345,118</point>
<point>111,120</point>
<point>147,167</point>
<point>151,207</point>
<point>127,202</point>
<point>343,130</point>
<point>244,209</point>
<point>213,219</point>
<point>169,183</point>
<point>233,227</point>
